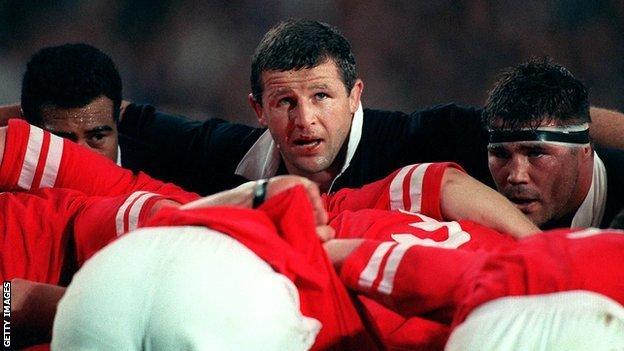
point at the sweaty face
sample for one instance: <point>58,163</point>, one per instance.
<point>541,179</point>
<point>308,113</point>
<point>92,126</point>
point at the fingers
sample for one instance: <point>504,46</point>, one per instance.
<point>282,183</point>
<point>325,232</point>
<point>320,214</point>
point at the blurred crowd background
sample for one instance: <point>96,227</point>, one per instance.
<point>193,57</point>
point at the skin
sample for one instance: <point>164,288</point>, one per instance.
<point>547,182</point>
<point>308,113</point>
<point>92,126</point>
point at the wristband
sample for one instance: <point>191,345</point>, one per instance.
<point>259,192</point>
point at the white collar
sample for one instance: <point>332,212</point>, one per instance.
<point>263,158</point>
<point>119,156</point>
<point>592,209</point>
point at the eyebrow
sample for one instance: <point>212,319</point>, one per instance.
<point>64,135</point>
<point>99,129</point>
<point>319,86</point>
<point>278,92</point>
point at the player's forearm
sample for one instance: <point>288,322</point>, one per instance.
<point>9,111</point>
<point>463,197</point>
<point>33,309</point>
<point>607,127</point>
<point>419,280</point>
<point>2,142</point>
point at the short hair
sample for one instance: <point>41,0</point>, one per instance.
<point>618,221</point>
<point>536,92</point>
<point>68,76</point>
<point>296,44</point>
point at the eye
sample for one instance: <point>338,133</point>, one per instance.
<point>287,101</point>
<point>499,153</point>
<point>535,153</point>
<point>321,96</point>
<point>97,139</point>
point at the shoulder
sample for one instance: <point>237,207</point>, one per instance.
<point>446,112</point>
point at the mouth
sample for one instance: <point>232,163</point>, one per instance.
<point>525,205</point>
<point>307,144</point>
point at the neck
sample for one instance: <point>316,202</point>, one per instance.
<point>563,222</point>
<point>325,177</point>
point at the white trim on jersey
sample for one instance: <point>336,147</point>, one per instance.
<point>31,159</point>
<point>53,162</point>
<point>35,154</point>
<point>132,206</point>
<point>135,210</point>
<point>370,272</point>
<point>413,183</point>
<point>387,283</point>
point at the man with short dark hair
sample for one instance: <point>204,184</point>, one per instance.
<point>74,91</point>
<point>305,90</point>
<point>540,153</point>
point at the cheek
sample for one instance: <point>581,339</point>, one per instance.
<point>497,170</point>
<point>279,128</point>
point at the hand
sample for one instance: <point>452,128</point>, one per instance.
<point>339,249</point>
<point>242,196</point>
<point>282,183</point>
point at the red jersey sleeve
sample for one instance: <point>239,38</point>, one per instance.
<point>560,260</point>
<point>49,233</point>
<point>101,220</point>
<point>34,159</point>
<point>409,279</point>
<point>414,188</point>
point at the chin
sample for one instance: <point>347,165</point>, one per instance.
<point>312,167</point>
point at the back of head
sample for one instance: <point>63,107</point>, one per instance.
<point>297,44</point>
<point>68,76</point>
<point>536,93</point>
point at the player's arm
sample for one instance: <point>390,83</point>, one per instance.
<point>95,225</point>
<point>243,196</point>
<point>607,127</point>
<point>411,280</point>
<point>9,111</point>
<point>39,159</point>
<point>2,141</point>
<point>463,197</point>
<point>33,307</point>
<point>213,147</point>
<point>438,190</point>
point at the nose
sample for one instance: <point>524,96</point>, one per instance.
<point>518,168</point>
<point>304,114</point>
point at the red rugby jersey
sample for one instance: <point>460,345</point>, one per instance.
<point>47,234</point>
<point>34,158</point>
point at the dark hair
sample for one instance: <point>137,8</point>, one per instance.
<point>66,76</point>
<point>297,44</point>
<point>618,221</point>
<point>536,92</point>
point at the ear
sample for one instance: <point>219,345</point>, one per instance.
<point>355,94</point>
<point>257,107</point>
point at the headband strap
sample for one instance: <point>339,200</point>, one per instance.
<point>568,135</point>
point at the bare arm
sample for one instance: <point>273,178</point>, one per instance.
<point>463,197</point>
<point>9,111</point>
<point>2,141</point>
<point>607,127</point>
<point>33,307</point>
<point>243,195</point>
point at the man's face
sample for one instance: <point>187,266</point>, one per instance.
<point>92,126</point>
<point>541,179</point>
<point>308,113</point>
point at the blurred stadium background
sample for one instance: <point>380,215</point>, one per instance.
<point>192,57</point>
